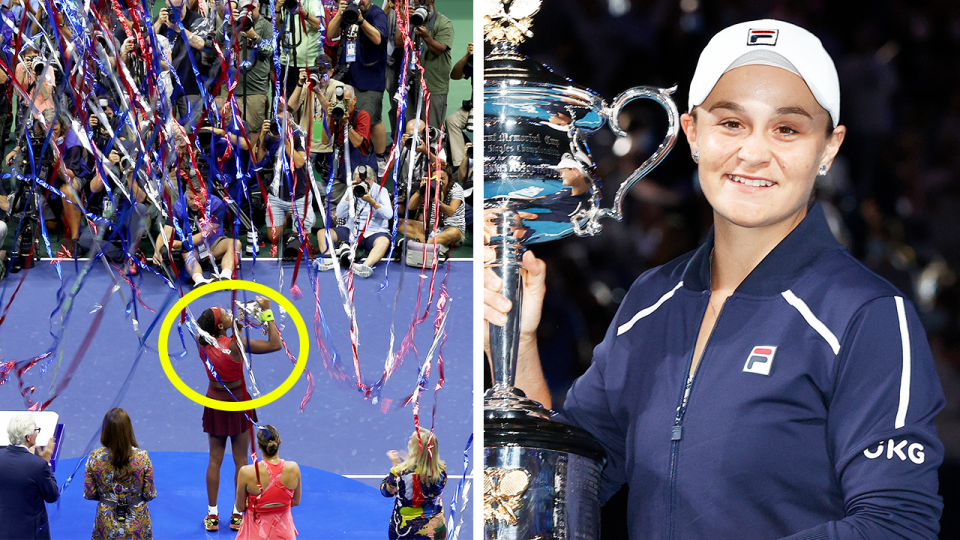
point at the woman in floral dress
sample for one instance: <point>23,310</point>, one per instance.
<point>417,484</point>
<point>120,476</point>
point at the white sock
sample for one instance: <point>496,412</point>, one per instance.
<point>226,273</point>
<point>212,511</point>
<point>198,277</point>
<point>235,511</point>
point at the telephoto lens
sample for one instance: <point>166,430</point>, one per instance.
<point>360,190</point>
<point>351,13</point>
<point>419,16</point>
<point>344,257</point>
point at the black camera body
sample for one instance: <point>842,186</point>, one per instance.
<point>25,214</point>
<point>244,15</point>
<point>351,13</point>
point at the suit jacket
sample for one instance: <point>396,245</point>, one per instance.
<point>27,482</point>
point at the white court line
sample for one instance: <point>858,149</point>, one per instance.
<point>356,476</point>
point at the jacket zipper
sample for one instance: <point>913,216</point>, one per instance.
<point>676,434</point>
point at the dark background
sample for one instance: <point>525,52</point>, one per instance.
<point>893,192</point>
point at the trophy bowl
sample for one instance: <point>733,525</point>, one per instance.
<point>541,477</point>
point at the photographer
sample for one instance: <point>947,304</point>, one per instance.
<point>283,188</point>
<point>206,236</point>
<point>66,163</point>
<point>459,120</point>
<point>416,160</point>
<point>129,213</point>
<point>27,76</point>
<point>314,97</point>
<point>232,178</point>
<point>451,227</point>
<point>363,47</point>
<point>196,30</point>
<point>254,36</point>
<point>297,49</point>
<point>432,39</point>
<point>372,209</point>
<point>357,124</point>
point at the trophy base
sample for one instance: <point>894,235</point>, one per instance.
<point>541,479</point>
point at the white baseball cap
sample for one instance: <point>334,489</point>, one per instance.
<point>567,161</point>
<point>772,43</point>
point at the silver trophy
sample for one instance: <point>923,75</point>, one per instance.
<point>541,477</point>
<point>249,315</point>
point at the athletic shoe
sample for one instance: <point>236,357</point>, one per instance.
<point>211,522</point>
<point>362,270</point>
<point>235,521</point>
<point>324,263</point>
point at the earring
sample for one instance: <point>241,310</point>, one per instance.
<point>695,156</point>
<point>822,171</point>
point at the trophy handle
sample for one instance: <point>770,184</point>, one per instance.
<point>587,223</point>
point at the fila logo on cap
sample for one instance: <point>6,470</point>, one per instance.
<point>760,360</point>
<point>762,37</point>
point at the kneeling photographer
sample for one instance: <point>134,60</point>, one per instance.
<point>64,164</point>
<point>126,213</point>
<point>451,226</point>
<point>204,240</point>
<point>370,215</point>
<point>416,159</point>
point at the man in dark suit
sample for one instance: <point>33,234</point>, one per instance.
<point>27,482</point>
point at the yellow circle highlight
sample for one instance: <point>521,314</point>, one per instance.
<point>244,285</point>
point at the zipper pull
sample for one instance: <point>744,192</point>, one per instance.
<point>677,433</point>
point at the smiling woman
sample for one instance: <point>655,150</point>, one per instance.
<point>808,362</point>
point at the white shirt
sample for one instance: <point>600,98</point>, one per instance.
<point>381,217</point>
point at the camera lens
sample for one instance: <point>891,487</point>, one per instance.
<point>419,16</point>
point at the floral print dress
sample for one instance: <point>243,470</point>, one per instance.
<point>418,512</point>
<point>138,488</point>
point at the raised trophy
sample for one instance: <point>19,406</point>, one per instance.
<point>248,315</point>
<point>541,477</point>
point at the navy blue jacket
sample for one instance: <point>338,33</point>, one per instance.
<point>26,481</point>
<point>811,412</point>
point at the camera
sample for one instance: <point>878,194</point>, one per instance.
<point>245,15</point>
<point>360,189</point>
<point>344,255</point>
<point>23,211</point>
<point>351,13</point>
<point>126,163</point>
<point>419,16</point>
<point>338,109</point>
<point>37,64</point>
